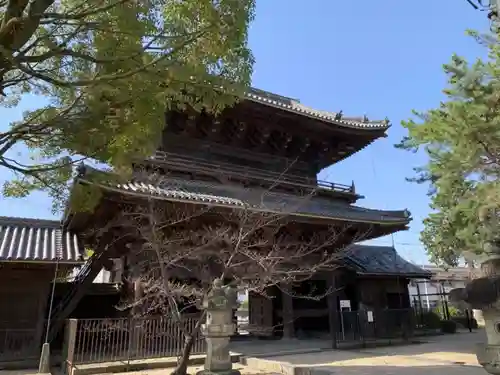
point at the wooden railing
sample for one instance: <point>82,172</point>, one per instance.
<point>192,164</point>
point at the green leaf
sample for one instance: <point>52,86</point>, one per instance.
<point>109,70</point>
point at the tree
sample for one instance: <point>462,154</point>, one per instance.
<point>108,70</point>
<point>462,140</point>
<point>249,249</point>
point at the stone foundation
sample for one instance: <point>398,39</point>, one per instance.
<point>488,356</point>
<point>478,315</point>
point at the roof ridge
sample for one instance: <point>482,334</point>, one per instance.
<point>295,106</point>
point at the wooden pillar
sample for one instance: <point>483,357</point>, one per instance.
<point>332,307</point>
<point>134,273</point>
<point>287,311</point>
<point>43,319</point>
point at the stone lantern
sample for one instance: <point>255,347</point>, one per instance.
<point>483,293</point>
<point>219,305</point>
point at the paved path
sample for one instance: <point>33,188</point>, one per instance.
<point>442,355</point>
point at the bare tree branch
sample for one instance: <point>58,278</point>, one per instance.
<point>181,249</point>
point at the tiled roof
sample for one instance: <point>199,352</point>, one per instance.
<point>34,240</point>
<point>293,105</point>
<point>258,199</point>
<point>175,193</point>
<point>382,260</point>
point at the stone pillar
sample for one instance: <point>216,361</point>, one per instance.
<point>287,312</point>
<point>478,315</point>
<point>219,328</point>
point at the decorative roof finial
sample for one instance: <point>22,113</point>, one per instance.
<point>338,115</point>
<point>365,119</point>
<point>386,121</point>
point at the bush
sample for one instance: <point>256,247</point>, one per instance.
<point>430,320</point>
<point>448,326</point>
<point>452,310</point>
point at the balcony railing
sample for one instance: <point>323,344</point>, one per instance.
<point>191,164</point>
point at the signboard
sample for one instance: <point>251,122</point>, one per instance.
<point>369,315</point>
<point>345,303</point>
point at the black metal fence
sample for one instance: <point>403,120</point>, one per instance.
<point>126,339</point>
<point>361,326</point>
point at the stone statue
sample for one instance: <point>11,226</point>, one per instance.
<point>483,294</point>
<point>219,304</point>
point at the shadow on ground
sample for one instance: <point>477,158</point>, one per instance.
<point>450,354</point>
<point>407,370</point>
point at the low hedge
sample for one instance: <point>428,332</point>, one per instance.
<point>448,326</point>
<point>430,320</point>
<point>462,321</point>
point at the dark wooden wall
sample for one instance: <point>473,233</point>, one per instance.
<point>23,299</point>
<point>384,292</point>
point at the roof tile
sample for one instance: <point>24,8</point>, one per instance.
<point>34,240</point>
<point>383,260</point>
<point>293,105</point>
<point>220,194</point>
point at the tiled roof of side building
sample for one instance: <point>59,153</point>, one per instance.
<point>382,260</point>
<point>227,195</point>
<point>36,240</point>
<point>294,105</point>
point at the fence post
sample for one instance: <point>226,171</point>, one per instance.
<point>69,346</point>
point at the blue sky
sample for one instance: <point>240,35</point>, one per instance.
<point>379,58</point>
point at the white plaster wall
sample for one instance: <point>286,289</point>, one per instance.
<point>433,288</point>
<point>102,277</point>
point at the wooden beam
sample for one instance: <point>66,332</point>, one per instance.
<point>288,315</point>
<point>332,307</point>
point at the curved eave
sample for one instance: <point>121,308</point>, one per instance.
<point>238,204</point>
<point>349,154</point>
<point>317,115</point>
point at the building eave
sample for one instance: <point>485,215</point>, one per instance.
<point>294,106</point>
<point>35,241</point>
<point>390,218</point>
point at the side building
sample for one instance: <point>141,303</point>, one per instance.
<point>33,253</point>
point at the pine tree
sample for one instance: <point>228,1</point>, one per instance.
<point>462,141</point>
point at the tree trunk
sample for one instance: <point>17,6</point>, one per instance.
<point>182,364</point>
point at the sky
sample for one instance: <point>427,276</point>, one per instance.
<point>364,57</point>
